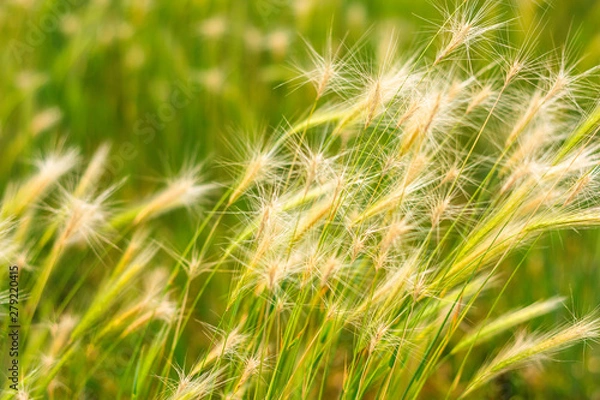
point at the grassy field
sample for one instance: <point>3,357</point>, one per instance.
<point>299,199</point>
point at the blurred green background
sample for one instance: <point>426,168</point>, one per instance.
<point>173,82</point>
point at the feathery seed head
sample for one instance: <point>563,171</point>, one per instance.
<point>50,168</point>
<point>228,345</point>
<point>83,218</point>
<point>480,98</point>
<point>94,170</point>
<point>259,167</point>
<point>185,190</point>
<point>394,232</point>
<point>527,349</point>
<point>274,271</point>
<point>155,309</point>
<point>188,387</point>
<point>54,165</point>
<point>466,26</point>
<point>327,71</point>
